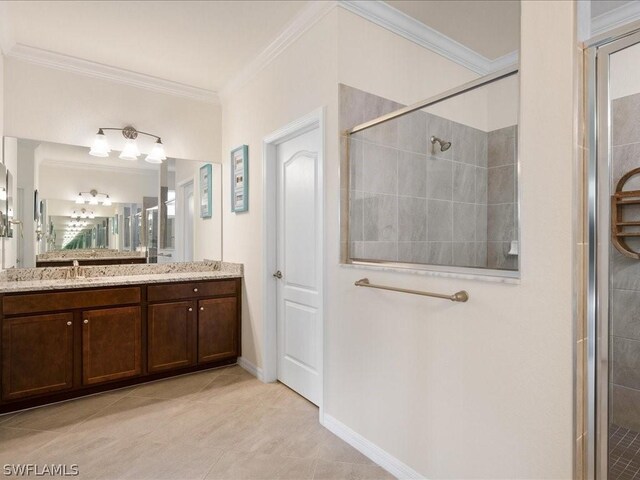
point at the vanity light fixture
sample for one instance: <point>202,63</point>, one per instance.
<point>83,214</point>
<point>93,197</point>
<point>100,147</point>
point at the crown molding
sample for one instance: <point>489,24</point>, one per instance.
<point>100,167</point>
<point>88,68</point>
<point>615,18</point>
<point>392,19</point>
<point>310,15</point>
<point>381,14</point>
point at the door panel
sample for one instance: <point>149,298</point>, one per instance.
<point>111,346</point>
<point>298,257</point>
<point>618,266</point>
<point>217,329</point>
<point>37,355</point>
<point>171,335</point>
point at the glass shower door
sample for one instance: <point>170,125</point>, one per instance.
<point>617,354</point>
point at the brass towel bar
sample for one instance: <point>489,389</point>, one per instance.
<point>460,296</point>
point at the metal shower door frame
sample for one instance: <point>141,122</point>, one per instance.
<point>598,191</point>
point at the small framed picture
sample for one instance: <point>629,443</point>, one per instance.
<point>205,191</point>
<point>240,179</point>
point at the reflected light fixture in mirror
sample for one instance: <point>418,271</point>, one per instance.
<point>93,197</point>
<point>131,151</point>
<point>83,214</point>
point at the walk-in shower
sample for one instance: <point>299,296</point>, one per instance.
<point>612,422</point>
<point>433,185</point>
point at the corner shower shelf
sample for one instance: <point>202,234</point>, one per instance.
<point>619,200</point>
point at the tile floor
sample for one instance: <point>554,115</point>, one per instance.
<point>624,454</point>
<point>218,424</point>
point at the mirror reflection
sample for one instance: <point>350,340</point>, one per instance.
<point>73,206</point>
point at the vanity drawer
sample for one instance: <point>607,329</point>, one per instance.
<point>176,291</point>
<point>58,301</point>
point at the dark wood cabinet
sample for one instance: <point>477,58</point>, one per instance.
<point>171,335</point>
<point>37,355</point>
<point>111,344</point>
<point>62,344</point>
<point>217,329</point>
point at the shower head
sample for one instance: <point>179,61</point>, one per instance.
<point>444,146</point>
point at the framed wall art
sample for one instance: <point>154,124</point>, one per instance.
<point>240,179</point>
<point>205,191</point>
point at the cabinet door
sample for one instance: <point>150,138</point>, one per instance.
<point>37,355</point>
<point>217,329</point>
<point>111,348</point>
<point>171,335</point>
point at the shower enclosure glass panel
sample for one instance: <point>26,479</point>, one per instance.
<point>624,265</point>
<point>436,186</point>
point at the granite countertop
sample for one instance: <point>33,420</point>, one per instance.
<point>54,278</point>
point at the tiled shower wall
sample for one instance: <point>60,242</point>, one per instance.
<point>412,203</point>
<point>624,376</point>
<point>502,208</point>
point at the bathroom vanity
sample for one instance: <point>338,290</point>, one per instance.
<point>73,331</point>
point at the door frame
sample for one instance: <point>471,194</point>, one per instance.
<point>311,121</point>
<point>598,51</point>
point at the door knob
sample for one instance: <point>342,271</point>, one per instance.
<point>69,323</point>
<point>190,309</point>
<point>202,309</point>
<point>278,274</point>
<point>195,290</point>
<point>86,321</point>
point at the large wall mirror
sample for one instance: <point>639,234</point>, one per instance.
<point>64,205</point>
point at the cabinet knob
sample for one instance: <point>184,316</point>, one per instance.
<point>69,323</point>
<point>190,309</point>
<point>202,309</point>
<point>85,321</point>
<point>195,289</point>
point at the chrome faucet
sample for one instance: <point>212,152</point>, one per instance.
<point>75,271</point>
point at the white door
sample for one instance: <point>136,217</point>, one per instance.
<point>299,289</point>
<point>188,223</point>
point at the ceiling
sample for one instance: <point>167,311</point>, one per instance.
<point>201,44</point>
<point>206,44</point>
<point>491,28</point>
<point>598,7</point>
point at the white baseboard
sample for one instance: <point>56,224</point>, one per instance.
<point>251,368</point>
<point>387,461</point>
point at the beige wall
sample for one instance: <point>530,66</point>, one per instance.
<point>624,72</point>
<point>479,390</point>
<point>1,125</point>
<point>57,106</point>
<point>299,81</point>
<point>63,182</point>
